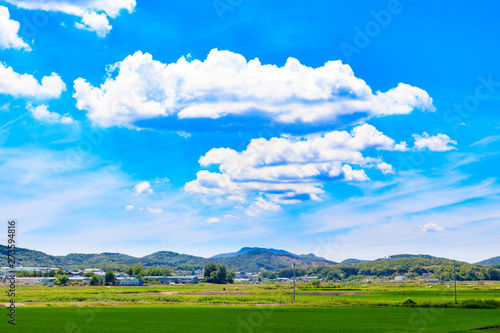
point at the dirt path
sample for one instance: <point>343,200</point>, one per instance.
<point>8,305</point>
<point>329,294</point>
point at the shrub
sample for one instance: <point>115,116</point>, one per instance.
<point>408,302</point>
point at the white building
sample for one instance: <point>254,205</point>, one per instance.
<point>401,278</point>
<point>129,281</point>
<point>79,280</point>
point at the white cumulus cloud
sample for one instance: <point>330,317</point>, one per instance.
<point>439,142</point>
<point>129,207</point>
<point>432,227</point>
<point>95,22</point>
<point>290,169</point>
<point>213,220</point>
<point>93,13</point>
<point>227,84</point>
<point>9,30</point>
<point>43,114</point>
<point>143,188</point>
<point>25,85</point>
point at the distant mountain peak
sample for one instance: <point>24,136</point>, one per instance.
<point>247,249</point>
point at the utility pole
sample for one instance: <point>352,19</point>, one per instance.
<point>294,282</point>
<point>455,278</point>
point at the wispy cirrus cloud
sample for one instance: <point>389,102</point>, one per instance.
<point>66,208</point>
<point>486,141</point>
<point>413,214</point>
<point>412,194</point>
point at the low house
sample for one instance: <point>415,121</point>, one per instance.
<point>128,281</point>
<point>72,271</point>
<point>283,280</point>
<point>176,279</point>
<point>401,278</point>
<point>28,280</point>
<point>310,278</point>
<point>432,281</point>
<point>78,280</point>
<point>96,271</point>
<point>241,280</point>
<point>121,275</point>
<point>48,281</point>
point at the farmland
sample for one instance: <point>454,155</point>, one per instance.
<point>197,318</point>
<point>356,307</point>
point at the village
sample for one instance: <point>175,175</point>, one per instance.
<point>49,276</point>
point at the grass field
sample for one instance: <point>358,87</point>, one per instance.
<point>238,308</point>
<point>389,294</point>
<point>184,318</point>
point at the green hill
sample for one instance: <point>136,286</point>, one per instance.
<point>489,262</point>
<point>410,266</point>
<point>250,262</point>
<point>352,261</point>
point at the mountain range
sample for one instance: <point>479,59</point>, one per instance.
<point>248,259</point>
<point>253,260</point>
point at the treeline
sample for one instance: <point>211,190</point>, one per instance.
<point>139,272</point>
<point>441,269</point>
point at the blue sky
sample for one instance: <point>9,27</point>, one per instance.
<point>347,128</point>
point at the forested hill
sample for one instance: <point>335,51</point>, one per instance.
<point>410,266</point>
<point>491,261</point>
<point>252,261</point>
<point>402,256</point>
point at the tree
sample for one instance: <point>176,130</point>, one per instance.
<point>230,277</point>
<point>221,274</point>
<point>315,283</point>
<point>23,273</point>
<point>208,270</point>
<point>217,273</point>
<point>154,271</point>
<point>129,271</point>
<point>139,272</point>
<point>110,277</point>
<point>94,280</point>
<point>62,279</point>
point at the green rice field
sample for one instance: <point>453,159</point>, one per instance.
<point>249,319</point>
<point>377,307</point>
